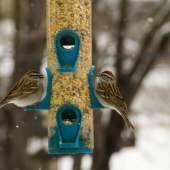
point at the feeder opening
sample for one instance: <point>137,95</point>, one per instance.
<point>69,116</point>
<point>67,42</point>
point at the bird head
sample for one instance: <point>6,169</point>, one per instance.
<point>34,75</point>
<point>106,77</point>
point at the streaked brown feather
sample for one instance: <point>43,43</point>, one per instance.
<point>29,88</point>
<point>12,94</point>
<point>22,86</point>
<point>112,95</point>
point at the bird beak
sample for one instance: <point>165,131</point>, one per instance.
<point>99,74</point>
<point>41,76</point>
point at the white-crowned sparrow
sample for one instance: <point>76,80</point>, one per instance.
<point>108,94</point>
<point>26,91</point>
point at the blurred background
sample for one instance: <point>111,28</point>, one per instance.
<point>131,38</point>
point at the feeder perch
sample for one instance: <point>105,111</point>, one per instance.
<point>94,102</point>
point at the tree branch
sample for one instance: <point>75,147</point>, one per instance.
<point>120,37</point>
<point>160,47</point>
<point>161,15</point>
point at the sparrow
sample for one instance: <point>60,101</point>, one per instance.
<point>26,91</point>
<point>108,94</point>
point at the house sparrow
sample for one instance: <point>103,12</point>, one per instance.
<point>26,91</point>
<point>107,93</point>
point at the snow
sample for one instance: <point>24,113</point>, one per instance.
<point>86,162</point>
<point>165,28</point>
<point>104,40</point>
<point>131,45</point>
<point>35,144</point>
<point>150,20</point>
<point>158,78</point>
<point>65,163</point>
<point>152,149</point>
<point>6,47</point>
<point>5,64</point>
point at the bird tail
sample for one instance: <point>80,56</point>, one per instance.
<point>127,121</point>
<point>3,103</point>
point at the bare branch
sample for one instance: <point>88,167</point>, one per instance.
<point>159,20</point>
<point>160,47</point>
<point>120,37</point>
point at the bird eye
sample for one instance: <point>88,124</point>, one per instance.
<point>33,75</point>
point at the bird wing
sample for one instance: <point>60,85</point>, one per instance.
<point>111,94</point>
<point>29,88</point>
<point>22,87</point>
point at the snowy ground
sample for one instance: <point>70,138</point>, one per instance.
<point>152,149</point>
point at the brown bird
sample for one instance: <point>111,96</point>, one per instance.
<point>108,94</point>
<point>26,91</point>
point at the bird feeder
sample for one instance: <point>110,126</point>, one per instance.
<point>70,121</point>
<point>70,97</point>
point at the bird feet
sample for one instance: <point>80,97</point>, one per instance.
<point>36,106</point>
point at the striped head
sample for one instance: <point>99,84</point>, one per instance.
<point>106,77</point>
<point>34,75</point>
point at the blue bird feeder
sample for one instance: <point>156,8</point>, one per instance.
<point>70,97</point>
<point>70,116</point>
